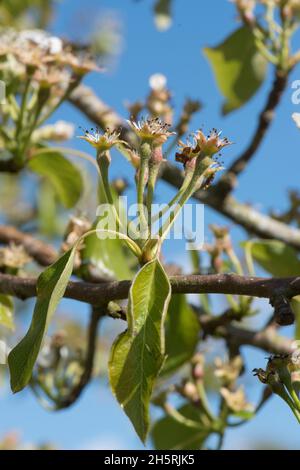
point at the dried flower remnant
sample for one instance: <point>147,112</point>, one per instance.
<point>41,54</point>
<point>199,144</point>
<point>236,401</point>
<point>153,131</point>
<point>50,77</point>
<point>13,257</point>
<point>211,144</point>
<point>32,48</point>
<point>198,158</point>
<point>280,375</point>
<point>32,58</point>
<point>79,65</point>
<point>51,44</point>
<point>102,141</point>
<point>77,227</point>
<point>228,372</point>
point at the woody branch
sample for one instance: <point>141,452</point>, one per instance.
<point>253,221</point>
<point>95,294</point>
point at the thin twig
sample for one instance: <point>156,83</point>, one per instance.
<point>95,316</point>
<point>228,181</point>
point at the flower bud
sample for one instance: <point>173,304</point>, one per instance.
<point>198,367</point>
<point>189,390</point>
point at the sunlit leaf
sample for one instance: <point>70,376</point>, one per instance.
<point>6,312</point>
<point>138,354</point>
<point>51,287</point>
<point>238,67</point>
<point>274,256</point>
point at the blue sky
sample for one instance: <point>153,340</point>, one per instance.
<point>96,421</point>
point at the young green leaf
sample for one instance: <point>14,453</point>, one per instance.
<point>167,433</point>
<point>61,173</point>
<point>51,287</point>
<point>238,67</point>
<point>138,354</point>
<point>107,257</point>
<point>6,312</point>
<point>182,333</point>
<point>275,257</point>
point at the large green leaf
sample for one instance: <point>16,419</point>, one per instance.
<point>238,67</point>
<point>61,173</point>
<point>6,312</point>
<point>138,354</point>
<point>182,333</point>
<point>274,256</point>
<point>51,287</point>
<point>169,434</point>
